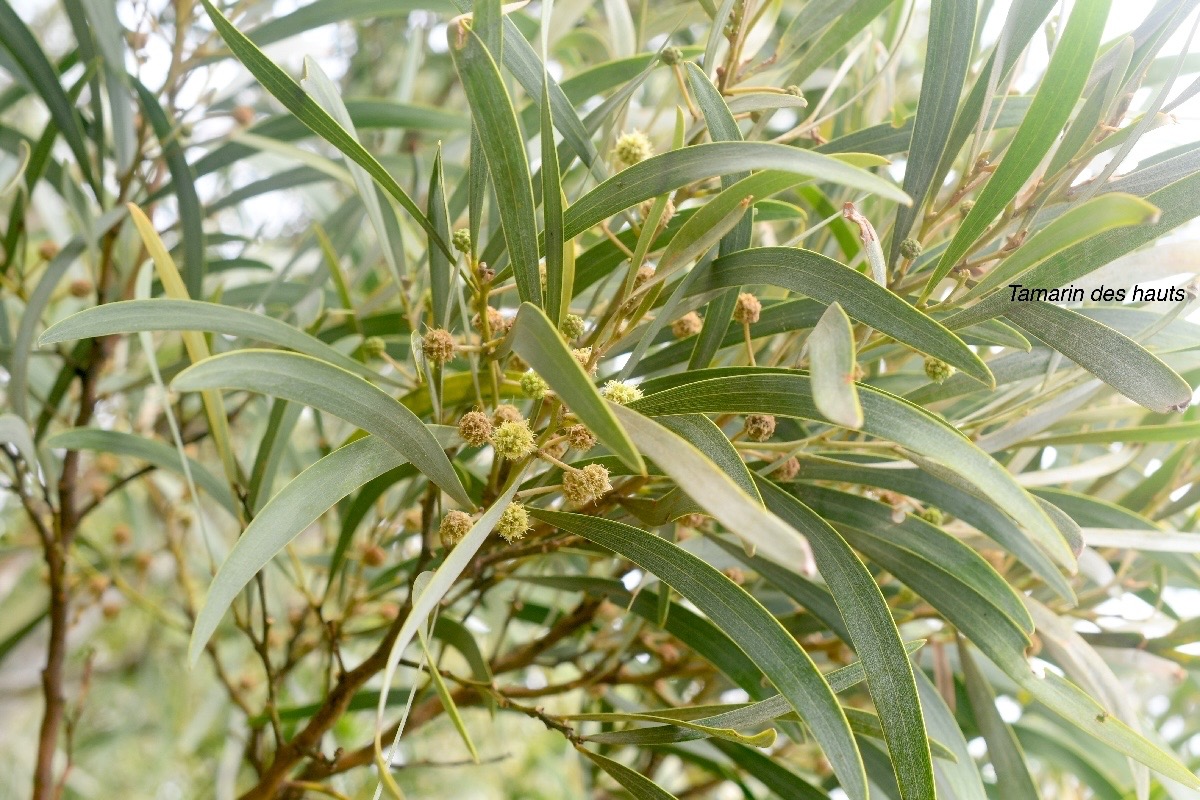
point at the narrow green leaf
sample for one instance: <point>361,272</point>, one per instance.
<point>297,506</point>
<point>308,111</point>
<point>326,12</point>
<point>827,281</point>
<point>786,393</point>
<point>1111,356</point>
<point>874,637</point>
<point>1004,751</point>
<point>535,339</point>
<point>669,171</point>
<point>715,492</point>
<point>1061,86</point>
<point>947,57</point>
<point>446,699</point>
<point>166,314</point>
<point>559,285</point>
<point>441,268</point>
<point>159,454</point>
<point>1112,210</point>
<point>750,625</point>
<point>312,382</point>
<point>831,364</point>
<point>638,785</point>
<point>504,146</point>
<point>631,735</point>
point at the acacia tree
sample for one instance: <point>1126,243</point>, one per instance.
<point>647,376</point>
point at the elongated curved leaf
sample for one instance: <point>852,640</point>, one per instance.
<point>741,617</point>
<point>664,173</point>
<point>504,146</point>
<point>827,281</point>
<point>298,505</point>
<point>638,785</point>
<point>831,363</point>
<point>787,393</point>
<point>166,314</point>
<point>876,640</point>
<point>312,382</point>
<point>308,111</point>
<point>160,454</point>
<point>535,339</point>
<point>1111,356</point>
<point>1061,86</point>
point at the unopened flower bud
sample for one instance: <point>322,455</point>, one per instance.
<point>932,515</point>
<point>47,250</point>
<point>462,240</point>
<point>788,470</point>
<point>671,56</point>
<point>910,248</point>
<point>572,326</point>
<point>374,346</point>
<point>937,370</point>
<point>374,556</point>
<point>534,386</point>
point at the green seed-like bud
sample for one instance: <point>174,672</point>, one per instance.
<point>572,326</point>
<point>462,240</point>
<point>671,56</point>
<point>965,207</point>
<point>455,525</point>
<point>910,248</point>
<point>374,346</point>
<point>621,393</point>
<point>760,427</point>
<point>633,147</point>
<point>438,345</point>
<point>937,370</point>
<point>475,428</point>
<point>513,523</point>
<point>513,440</point>
<point>932,515</point>
<point>533,386</point>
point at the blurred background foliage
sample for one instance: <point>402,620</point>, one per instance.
<point>151,107</point>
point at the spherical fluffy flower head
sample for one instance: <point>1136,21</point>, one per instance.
<point>583,355</point>
<point>513,523</point>
<point>581,438</point>
<point>937,370</point>
<point>689,324</point>
<point>585,485</point>
<point>455,525</point>
<point>374,346</point>
<point>910,248</point>
<point>497,322</point>
<point>633,147</point>
<point>572,326</point>
<point>506,413</point>
<point>787,470</point>
<point>513,440</point>
<point>748,309</point>
<point>533,386</point>
<point>644,274</point>
<point>438,345</point>
<point>621,393</point>
<point>760,427</point>
<point>475,428</point>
